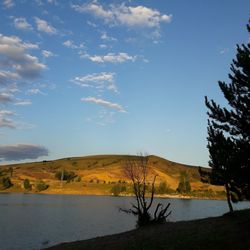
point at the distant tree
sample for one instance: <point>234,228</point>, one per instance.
<point>137,170</point>
<point>27,185</point>
<point>229,131</point>
<point>163,188</point>
<point>184,183</point>
<point>64,175</point>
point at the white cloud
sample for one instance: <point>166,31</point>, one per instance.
<point>101,77</point>
<point>7,76</point>
<point>30,46</point>
<point>138,16</point>
<point>22,24</point>
<point>6,112</point>
<point>47,53</point>
<point>103,80</point>
<point>43,26</point>
<point>41,2</point>
<point>7,123</point>
<point>22,102</point>
<point>6,98</point>
<point>19,152</point>
<point>111,58</point>
<point>104,103</point>
<point>94,8</point>
<point>8,4</point>
<point>70,44</point>
<point>16,62</point>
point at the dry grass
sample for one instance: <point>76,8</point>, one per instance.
<point>103,168</point>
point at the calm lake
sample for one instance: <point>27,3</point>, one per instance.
<point>33,221</point>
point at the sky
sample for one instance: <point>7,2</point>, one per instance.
<point>94,77</point>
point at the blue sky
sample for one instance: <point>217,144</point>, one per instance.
<point>113,77</point>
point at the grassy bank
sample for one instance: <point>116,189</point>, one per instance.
<point>225,232</point>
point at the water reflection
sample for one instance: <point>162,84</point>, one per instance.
<point>32,221</point>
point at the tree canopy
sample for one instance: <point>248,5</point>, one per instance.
<point>229,131</point>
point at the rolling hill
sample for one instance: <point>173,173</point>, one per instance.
<point>96,175</point>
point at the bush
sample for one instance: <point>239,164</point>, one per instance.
<point>5,182</point>
<point>27,185</point>
<point>41,185</point>
<point>117,189</point>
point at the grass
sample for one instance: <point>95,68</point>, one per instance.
<point>226,232</point>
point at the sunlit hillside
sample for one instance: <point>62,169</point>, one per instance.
<point>98,174</point>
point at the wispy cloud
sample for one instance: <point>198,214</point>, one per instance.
<point>47,53</point>
<point>6,112</point>
<point>22,24</point>
<point>6,98</point>
<point>7,76</point>
<point>138,16</point>
<point>35,91</point>
<point>22,102</point>
<point>103,80</point>
<point>7,123</point>
<point>104,103</point>
<point>110,58</point>
<point>106,37</point>
<point>19,152</point>
<point>43,26</point>
<point>8,4</point>
<point>70,44</point>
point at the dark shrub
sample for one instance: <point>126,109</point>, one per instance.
<point>117,189</point>
<point>27,185</point>
<point>5,183</point>
<point>65,175</point>
<point>41,185</point>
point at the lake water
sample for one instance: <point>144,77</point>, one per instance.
<point>33,221</point>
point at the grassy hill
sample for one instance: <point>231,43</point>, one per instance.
<point>96,175</point>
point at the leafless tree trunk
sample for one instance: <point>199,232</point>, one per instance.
<point>137,170</point>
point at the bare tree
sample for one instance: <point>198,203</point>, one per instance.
<point>137,170</point>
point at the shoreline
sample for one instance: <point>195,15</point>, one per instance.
<point>166,196</point>
<point>229,231</point>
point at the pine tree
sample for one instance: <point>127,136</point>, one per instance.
<point>229,131</point>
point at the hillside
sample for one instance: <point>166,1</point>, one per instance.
<point>96,175</point>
